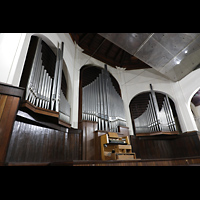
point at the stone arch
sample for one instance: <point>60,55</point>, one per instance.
<point>156,90</point>
<point>88,73</point>
<point>52,41</point>
<point>139,103</point>
<point>195,107</point>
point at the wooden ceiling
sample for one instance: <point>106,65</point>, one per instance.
<point>100,48</point>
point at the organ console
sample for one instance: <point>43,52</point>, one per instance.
<point>102,104</point>
<point>120,146</point>
<point>44,90</point>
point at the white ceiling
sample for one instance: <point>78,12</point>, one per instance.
<point>172,54</point>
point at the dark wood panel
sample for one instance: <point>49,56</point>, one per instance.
<point>3,99</point>
<point>97,138</point>
<point>186,161</point>
<point>9,108</point>
<point>172,146</point>
<point>10,97</point>
<point>11,90</point>
<point>87,138</point>
<point>33,143</point>
<point>102,49</point>
<point>90,139</point>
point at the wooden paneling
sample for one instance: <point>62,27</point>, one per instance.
<point>11,90</point>
<point>38,110</point>
<point>97,135</point>
<point>8,109</point>
<point>172,146</point>
<point>32,143</point>
<point>91,139</point>
<point>88,142</point>
<point>190,161</point>
<point>9,101</point>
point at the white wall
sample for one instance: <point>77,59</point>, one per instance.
<point>10,49</point>
<point>188,86</point>
<point>13,50</point>
<point>137,81</point>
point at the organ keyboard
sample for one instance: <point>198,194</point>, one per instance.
<point>111,143</point>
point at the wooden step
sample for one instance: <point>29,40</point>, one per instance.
<point>127,146</point>
<point>125,156</point>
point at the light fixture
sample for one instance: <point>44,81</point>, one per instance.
<point>186,51</point>
<point>178,62</point>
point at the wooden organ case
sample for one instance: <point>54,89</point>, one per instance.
<point>103,120</point>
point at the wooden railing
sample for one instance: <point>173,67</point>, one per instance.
<point>187,161</point>
<point>9,101</point>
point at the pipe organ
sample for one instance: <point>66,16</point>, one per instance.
<point>102,103</point>
<point>44,90</point>
<point>154,120</point>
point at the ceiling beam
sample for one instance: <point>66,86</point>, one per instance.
<point>117,54</point>
<point>122,58</point>
<point>92,40</point>
<point>100,45</point>
<point>81,39</point>
<point>92,43</point>
<point>108,50</point>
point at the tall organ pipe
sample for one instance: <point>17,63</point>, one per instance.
<point>59,78</point>
<point>153,120</point>
<point>44,91</point>
<point>102,103</point>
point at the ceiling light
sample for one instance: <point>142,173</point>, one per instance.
<point>178,62</point>
<point>186,51</point>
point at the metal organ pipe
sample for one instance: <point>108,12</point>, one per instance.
<point>102,103</point>
<point>153,120</point>
<point>44,91</point>
<point>171,121</point>
<point>59,78</point>
<point>55,81</point>
<point>30,90</point>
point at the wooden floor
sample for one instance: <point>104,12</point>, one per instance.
<point>191,161</point>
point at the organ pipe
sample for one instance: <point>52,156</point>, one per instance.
<point>102,103</point>
<point>155,120</point>
<point>45,91</point>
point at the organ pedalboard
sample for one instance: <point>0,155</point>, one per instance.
<point>114,147</point>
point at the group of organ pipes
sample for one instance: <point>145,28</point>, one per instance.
<point>100,100</point>
<point>45,91</point>
<point>102,103</point>
<point>155,120</point>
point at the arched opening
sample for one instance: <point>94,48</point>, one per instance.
<point>195,108</point>
<point>44,77</point>
<point>89,73</point>
<point>153,113</point>
<point>97,87</point>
